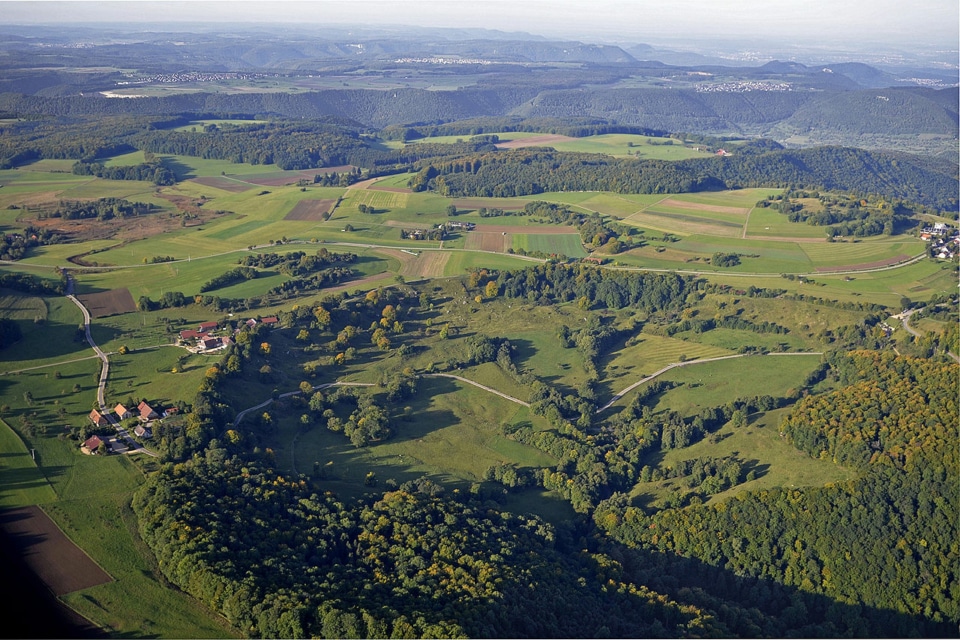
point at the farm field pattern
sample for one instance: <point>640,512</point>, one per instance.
<point>456,426</point>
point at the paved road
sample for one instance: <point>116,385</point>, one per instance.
<point>133,445</point>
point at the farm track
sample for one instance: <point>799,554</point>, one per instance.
<point>685,363</point>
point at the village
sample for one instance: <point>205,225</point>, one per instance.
<point>944,240</point>
<point>143,417</point>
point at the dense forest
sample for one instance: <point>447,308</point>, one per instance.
<point>887,539</point>
<point>526,172</point>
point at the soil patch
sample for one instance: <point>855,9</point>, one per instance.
<point>224,184</point>
<point>311,210</point>
<point>866,265</point>
<point>534,141</point>
<point>108,303</point>
<point>498,242</point>
<point>60,564</point>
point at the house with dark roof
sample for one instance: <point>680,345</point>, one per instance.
<point>210,343</point>
<point>142,432</point>
<point>98,418</point>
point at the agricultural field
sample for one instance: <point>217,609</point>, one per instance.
<point>450,431</point>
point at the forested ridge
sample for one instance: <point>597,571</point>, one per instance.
<point>526,172</point>
<point>886,540</point>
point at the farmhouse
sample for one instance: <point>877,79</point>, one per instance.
<point>98,419</point>
<point>190,334</point>
<point>122,412</point>
<point>251,323</point>
<point>208,326</point>
<point>171,411</point>
<point>146,411</point>
<point>91,444</point>
<point>210,343</point>
<point>142,431</point>
<point>270,321</point>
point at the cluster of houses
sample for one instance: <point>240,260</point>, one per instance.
<point>202,340</point>
<point>144,413</point>
<point>944,240</point>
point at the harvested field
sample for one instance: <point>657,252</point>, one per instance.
<point>108,303</point>
<point>865,266</point>
<point>483,241</point>
<point>52,556</point>
<point>696,206</point>
<point>428,264</point>
<point>311,210</point>
<point>225,184</point>
<point>534,141</point>
<point>529,229</point>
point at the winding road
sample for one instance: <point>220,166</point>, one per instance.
<point>134,446</point>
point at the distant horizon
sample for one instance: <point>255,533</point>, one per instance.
<point>807,24</point>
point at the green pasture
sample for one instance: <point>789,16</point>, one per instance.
<point>148,373</point>
<point>645,354</point>
<point>567,244</point>
<point>711,384</point>
<point>139,601</point>
<point>54,339</point>
<point>399,180</point>
<point>450,432</point>
<point>21,482</point>
<point>625,145</point>
<point>767,221</point>
<point>461,261</point>
<point>776,463</point>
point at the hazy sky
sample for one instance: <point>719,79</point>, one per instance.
<point>808,22</point>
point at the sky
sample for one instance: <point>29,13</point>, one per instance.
<point>928,23</point>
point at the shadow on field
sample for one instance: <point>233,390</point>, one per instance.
<point>182,171</point>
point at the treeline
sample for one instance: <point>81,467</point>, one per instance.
<point>101,209</point>
<point>521,172</point>
<point>877,541</point>
<point>31,284</point>
<point>153,172</point>
<point>573,127</point>
<point>228,278</point>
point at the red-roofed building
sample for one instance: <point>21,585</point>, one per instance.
<point>122,412</point>
<point>190,334</point>
<point>146,411</point>
<point>209,326</point>
<point>172,411</point>
<point>270,321</point>
<point>92,444</point>
<point>98,419</point>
